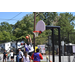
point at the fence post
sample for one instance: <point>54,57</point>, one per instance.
<point>16,47</point>
<point>59,44</point>
<point>53,44</point>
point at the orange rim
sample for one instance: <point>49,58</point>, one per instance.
<point>37,32</point>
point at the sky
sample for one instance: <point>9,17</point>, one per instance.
<point>13,17</point>
<point>69,12</point>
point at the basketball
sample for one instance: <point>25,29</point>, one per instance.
<point>27,37</point>
<point>6,54</point>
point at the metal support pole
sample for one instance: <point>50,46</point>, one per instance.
<point>34,28</point>
<point>68,49</point>
<point>68,37</point>
<point>69,53</point>
<point>63,50</point>
<point>16,47</point>
<point>69,57</point>
<point>52,28</point>
<point>49,47</point>
<point>49,53</point>
<point>59,44</point>
<point>53,44</point>
<point>16,51</point>
<point>62,44</point>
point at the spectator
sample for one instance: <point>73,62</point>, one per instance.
<point>20,55</point>
<point>8,55</point>
<point>4,55</point>
<point>40,50</point>
<point>12,55</point>
<point>26,57</point>
<point>17,57</point>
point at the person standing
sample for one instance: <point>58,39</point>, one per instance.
<point>36,56</point>
<point>26,57</point>
<point>20,55</point>
<point>17,56</point>
<point>40,50</point>
<point>12,55</point>
<point>4,55</point>
<point>8,55</point>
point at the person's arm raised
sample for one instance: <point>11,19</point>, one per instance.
<point>29,38</point>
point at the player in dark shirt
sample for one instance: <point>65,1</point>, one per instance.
<point>4,55</point>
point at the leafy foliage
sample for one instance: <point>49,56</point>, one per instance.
<point>65,22</point>
<point>48,17</point>
<point>26,26</point>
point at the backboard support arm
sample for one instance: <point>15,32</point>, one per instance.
<point>52,28</point>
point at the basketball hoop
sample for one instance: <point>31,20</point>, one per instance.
<point>36,33</point>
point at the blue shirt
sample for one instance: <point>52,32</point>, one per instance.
<point>36,56</point>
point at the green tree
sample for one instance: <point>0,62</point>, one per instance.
<point>6,30</point>
<point>6,36</point>
<point>1,36</point>
<point>48,17</point>
<point>24,27</point>
<point>66,24</point>
<point>6,26</point>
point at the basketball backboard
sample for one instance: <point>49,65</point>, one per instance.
<point>40,26</point>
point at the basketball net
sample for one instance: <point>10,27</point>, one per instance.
<point>36,33</point>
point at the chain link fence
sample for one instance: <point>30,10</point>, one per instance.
<point>67,54</point>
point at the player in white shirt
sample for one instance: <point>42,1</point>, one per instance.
<point>26,57</point>
<point>20,55</point>
<point>29,47</point>
<point>12,55</point>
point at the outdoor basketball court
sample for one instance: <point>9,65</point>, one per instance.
<point>40,28</point>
